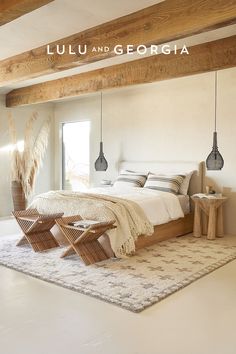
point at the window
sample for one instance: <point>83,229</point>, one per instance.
<point>75,155</point>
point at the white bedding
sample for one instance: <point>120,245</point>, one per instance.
<point>159,207</point>
<point>135,210</point>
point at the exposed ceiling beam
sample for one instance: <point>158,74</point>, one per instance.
<point>220,54</point>
<point>158,24</point>
<point>12,9</point>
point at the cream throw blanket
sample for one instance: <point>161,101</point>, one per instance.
<point>131,220</point>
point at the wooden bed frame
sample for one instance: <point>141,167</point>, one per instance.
<point>163,232</point>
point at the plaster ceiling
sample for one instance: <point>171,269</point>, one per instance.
<point>62,18</point>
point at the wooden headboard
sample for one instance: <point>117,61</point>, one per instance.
<point>177,167</point>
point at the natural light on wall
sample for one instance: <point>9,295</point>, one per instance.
<point>19,146</point>
<point>75,164</point>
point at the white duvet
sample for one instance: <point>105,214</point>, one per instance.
<point>159,207</point>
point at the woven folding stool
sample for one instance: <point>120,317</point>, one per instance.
<point>84,242</point>
<point>36,228</point>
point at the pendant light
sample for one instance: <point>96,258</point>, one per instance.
<point>101,163</point>
<point>214,160</point>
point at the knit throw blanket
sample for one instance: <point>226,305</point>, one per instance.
<point>131,220</point>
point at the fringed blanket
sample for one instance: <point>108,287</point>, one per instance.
<point>131,220</point>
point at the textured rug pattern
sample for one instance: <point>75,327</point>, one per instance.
<point>133,283</point>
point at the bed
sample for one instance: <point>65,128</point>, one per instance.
<point>181,226</point>
<point>179,221</point>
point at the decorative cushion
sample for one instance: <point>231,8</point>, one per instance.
<point>164,183</point>
<point>130,179</point>
<point>185,185</point>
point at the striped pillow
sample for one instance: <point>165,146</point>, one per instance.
<point>130,179</point>
<point>164,183</point>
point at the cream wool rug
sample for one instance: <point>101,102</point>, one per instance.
<point>133,283</point>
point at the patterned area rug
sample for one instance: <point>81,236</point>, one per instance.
<point>133,283</point>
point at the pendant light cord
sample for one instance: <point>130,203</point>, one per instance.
<point>215,98</point>
<point>101,118</point>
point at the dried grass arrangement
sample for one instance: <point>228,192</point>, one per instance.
<point>26,163</point>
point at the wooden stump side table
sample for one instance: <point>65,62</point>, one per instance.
<point>84,241</point>
<point>208,216</point>
<point>36,228</point>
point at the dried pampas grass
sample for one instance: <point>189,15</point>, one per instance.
<point>26,163</point>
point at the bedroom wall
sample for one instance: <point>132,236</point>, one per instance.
<point>169,120</point>
<point>45,179</point>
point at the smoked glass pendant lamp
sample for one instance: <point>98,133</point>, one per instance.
<point>215,160</point>
<point>101,163</point>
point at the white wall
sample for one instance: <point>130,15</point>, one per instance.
<point>45,179</point>
<point>169,120</point>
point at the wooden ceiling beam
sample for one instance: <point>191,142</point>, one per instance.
<point>211,56</point>
<point>166,21</point>
<point>12,9</point>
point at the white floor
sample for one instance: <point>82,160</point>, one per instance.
<point>40,318</point>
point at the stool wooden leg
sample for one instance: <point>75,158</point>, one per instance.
<point>22,241</point>
<point>204,223</point>
<point>91,252</point>
<point>212,223</point>
<point>70,250</point>
<point>220,224</point>
<point>197,232</point>
<point>42,241</point>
